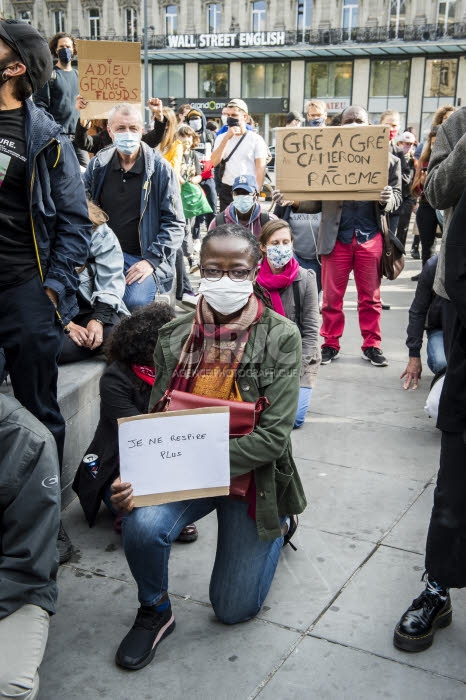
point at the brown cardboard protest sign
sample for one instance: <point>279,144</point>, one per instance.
<point>109,73</point>
<point>332,162</point>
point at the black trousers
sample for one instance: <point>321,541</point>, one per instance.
<point>404,217</point>
<point>72,352</point>
<point>32,339</point>
<point>446,539</point>
<point>427,223</point>
<point>225,196</point>
<point>211,194</point>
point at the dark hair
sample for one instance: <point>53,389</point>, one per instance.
<point>233,231</point>
<point>133,341</point>
<point>271,227</point>
<point>53,43</point>
<point>211,125</point>
<point>336,119</point>
<point>21,85</point>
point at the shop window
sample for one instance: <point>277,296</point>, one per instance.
<point>330,79</point>
<point>171,19</point>
<point>213,80</point>
<point>168,80</point>
<point>265,80</point>
<point>258,16</point>
<point>94,23</point>
<point>131,24</point>
<point>446,16</point>
<point>440,78</point>
<point>58,21</point>
<point>213,18</point>
<point>389,79</point>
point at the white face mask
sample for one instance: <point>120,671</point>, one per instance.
<point>224,295</point>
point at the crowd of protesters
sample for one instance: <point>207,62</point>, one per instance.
<point>91,265</point>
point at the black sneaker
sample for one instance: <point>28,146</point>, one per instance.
<point>415,630</point>
<point>138,647</point>
<point>64,546</point>
<point>375,356</point>
<point>329,354</point>
<point>415,278</point>
<point>415,254</point>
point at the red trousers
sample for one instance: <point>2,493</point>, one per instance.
<point>364,260</point>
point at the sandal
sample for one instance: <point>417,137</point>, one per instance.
<point>188,534</point>
<point>292,527</point>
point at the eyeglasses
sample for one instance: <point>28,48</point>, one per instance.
<point>213,275</point>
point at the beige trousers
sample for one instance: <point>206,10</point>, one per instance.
<point>23,636</point>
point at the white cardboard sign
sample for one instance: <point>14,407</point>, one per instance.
<point>176,455</point>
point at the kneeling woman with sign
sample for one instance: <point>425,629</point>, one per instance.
<point>233,348</point>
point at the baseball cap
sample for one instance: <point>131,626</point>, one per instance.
<point>406,137</point>
<point>32,49</point>
<point>240,104</point>
<point>245,182</point>
<point>291,116</point>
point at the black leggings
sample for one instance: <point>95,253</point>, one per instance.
<point>427,223</point>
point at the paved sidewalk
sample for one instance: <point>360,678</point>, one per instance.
<point>367,455</point>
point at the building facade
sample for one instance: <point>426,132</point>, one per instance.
<point>407,55</point>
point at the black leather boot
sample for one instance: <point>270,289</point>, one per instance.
<point>415,631</point>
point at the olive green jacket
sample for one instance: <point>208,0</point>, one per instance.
<point>271,366</point>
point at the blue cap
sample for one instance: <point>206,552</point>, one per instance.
<point>245,182</point>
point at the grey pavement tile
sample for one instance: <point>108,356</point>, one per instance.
<point>352,502</point>
<point>318,669</point>
<point>311,577</point>
<point>411,531</point>
<point>366,612</point>
<point>201,659</point>
<point>391,405</point>
<point>373,447</point>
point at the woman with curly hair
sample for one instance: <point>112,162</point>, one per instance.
<point>125,388</point>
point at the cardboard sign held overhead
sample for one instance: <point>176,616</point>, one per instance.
<point>332,162</point>
<point>177,455</point>
<point>109,73</point>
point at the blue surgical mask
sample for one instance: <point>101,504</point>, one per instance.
<point>243,202</point>
<point>65,55</point>
<point>279,255</point>
<point>127,142</point>
<point>317,122</point>
<point>195,124</point>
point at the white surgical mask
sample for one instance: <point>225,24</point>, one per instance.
<point>126,142</point>
<point>243,202</point>
<point>279,255</point>
<point>195,124</point>
<point>224,295</point>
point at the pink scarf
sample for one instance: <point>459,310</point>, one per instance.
<point>273,283</point>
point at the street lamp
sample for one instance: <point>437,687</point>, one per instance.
<point>146,64</point>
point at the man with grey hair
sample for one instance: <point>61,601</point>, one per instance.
<point>139,191</point>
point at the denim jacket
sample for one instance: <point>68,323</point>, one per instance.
<point>271,366</point>
<point>161,223</point>
<point>103,279</point>
<point>57,204</point>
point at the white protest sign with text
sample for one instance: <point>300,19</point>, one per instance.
<point>332,162</point>
<point>176,455</point>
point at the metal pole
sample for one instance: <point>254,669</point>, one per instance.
<point>146,68</point>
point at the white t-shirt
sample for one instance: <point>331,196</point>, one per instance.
<point>242,162</point>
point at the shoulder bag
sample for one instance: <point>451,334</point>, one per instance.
<point>221,165</point>
<point>392,262</point>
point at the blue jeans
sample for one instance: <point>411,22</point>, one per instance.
<point>312,265</point>
<point>244,566</point>
<point>436,360</point>
<point>303,405</point>
<point>137,295</point>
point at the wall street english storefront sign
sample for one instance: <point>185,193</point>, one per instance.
<point>332,162</point>
<point>230,40</point>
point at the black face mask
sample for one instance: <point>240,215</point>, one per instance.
<point>232,121</point>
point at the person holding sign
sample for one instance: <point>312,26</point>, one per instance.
<point>231,347</point>
<point>139,191</point>
<point>350,240</point>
